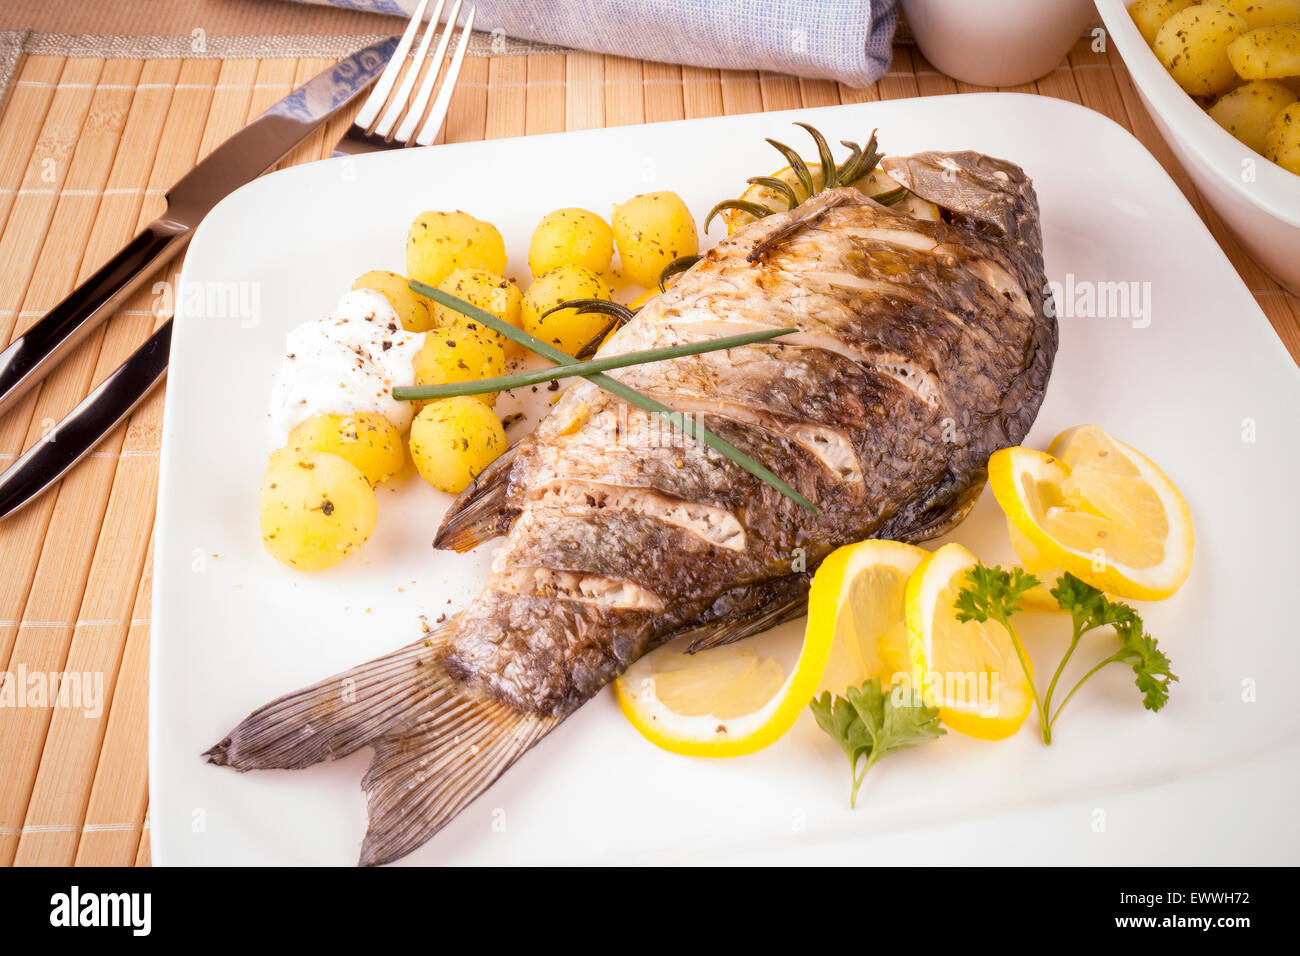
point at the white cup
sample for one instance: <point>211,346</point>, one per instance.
<point>997,42</point>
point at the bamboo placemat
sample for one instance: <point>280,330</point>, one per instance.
<point>80,172</point>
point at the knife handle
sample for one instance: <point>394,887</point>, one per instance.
<point>86,425</point>
<point>30,355</point>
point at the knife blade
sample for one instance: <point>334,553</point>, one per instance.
<point>98,414</point>
<point>245,156</point>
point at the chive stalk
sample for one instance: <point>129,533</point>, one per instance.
<point>616,388</point>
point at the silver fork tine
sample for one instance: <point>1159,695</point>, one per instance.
<point>395,108</point>
<point>439,111</point>
<point>384,85</point>
<point>407,129</point>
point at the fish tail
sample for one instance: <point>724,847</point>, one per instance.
<point>438,745</point>
<point>480,513</point>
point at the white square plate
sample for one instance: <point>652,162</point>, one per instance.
<point>1200,383</point>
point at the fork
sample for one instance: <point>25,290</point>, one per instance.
<point>394,115</point>
<point>373,127</point>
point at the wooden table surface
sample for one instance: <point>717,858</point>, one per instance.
<point>80,172</point>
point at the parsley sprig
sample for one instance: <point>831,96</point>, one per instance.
<point>994,594</point>
<point>869,723</point>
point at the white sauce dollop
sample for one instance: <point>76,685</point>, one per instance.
<point>345,363</point>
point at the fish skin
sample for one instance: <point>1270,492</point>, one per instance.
<point>923,347</point>
<point>987,351</point>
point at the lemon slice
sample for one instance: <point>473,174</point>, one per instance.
<point>1101,510</point>
<point>875,183</point>
<point>733,700</point>
<point>969,670</point>
<point>857,595</point>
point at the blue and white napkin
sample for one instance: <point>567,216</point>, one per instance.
<point>845,40</point>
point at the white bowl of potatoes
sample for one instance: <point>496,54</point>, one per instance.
<point>1221,81</point>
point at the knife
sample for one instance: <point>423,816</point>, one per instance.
<point>245,156</point>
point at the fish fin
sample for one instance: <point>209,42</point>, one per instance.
<point>938,522</point>
<point>777,602</point>
<point>480,513</point>
<point>424,774</point>
<point>438,744</point>
<point>332,718</point>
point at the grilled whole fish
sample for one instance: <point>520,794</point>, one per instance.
<point>922,348</point>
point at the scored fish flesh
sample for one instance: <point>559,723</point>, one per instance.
<point>922,348</point>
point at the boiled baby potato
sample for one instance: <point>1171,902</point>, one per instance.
<point>1248,111</point>
<point>651,230</point>
<point>462,352</point>
<point>367,439</point>
<point>453,440</point>
<point>1269,53</point>
<point>439,243</point>
<point>567,329</point>
<point>1264,13</point>
<point>1150,15</point>
<point>411,307</point>
<point>1282,144</point>
<point>489,291</point>
<point>1193,46</point>
<point>571,237</point>
<point>316,508</point>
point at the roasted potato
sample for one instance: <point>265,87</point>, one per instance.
<point>566,329</point>
<point>1248,111</point>
<point>1282,144</point>
<point>1193,46</point>
<point>1269,53</point>
<point>1150,15</point>
<point>571,237</point>
<point>411,307</point>
<point>366,439</point>
<point>491,293</point>
<point>463,352</point>
<point>439,243</point>
<point>316,508</point>
<point>1263,13</point>
<point>453,440</point>
<point>651,230</point>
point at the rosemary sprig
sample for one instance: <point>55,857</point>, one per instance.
<point>676,267</point>
<point>756,210</point>
<point>537,376</point>
<point>619,315</point>
<point>830,172</point>
<point>891,197</point>
<point>777,186</point>
<point>619,390</point>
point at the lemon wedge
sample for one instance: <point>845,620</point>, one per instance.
<point>1098,508</point>
<point>969,670</point>
<point>733,700</point>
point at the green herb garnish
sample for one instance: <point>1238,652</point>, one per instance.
<point>536,376</point>
<point>860,163</point>
<point>616,388</point>
<point>1090,609</point>
<point>678,265</point>
<point>869,723</point>
<point>994,594</point>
